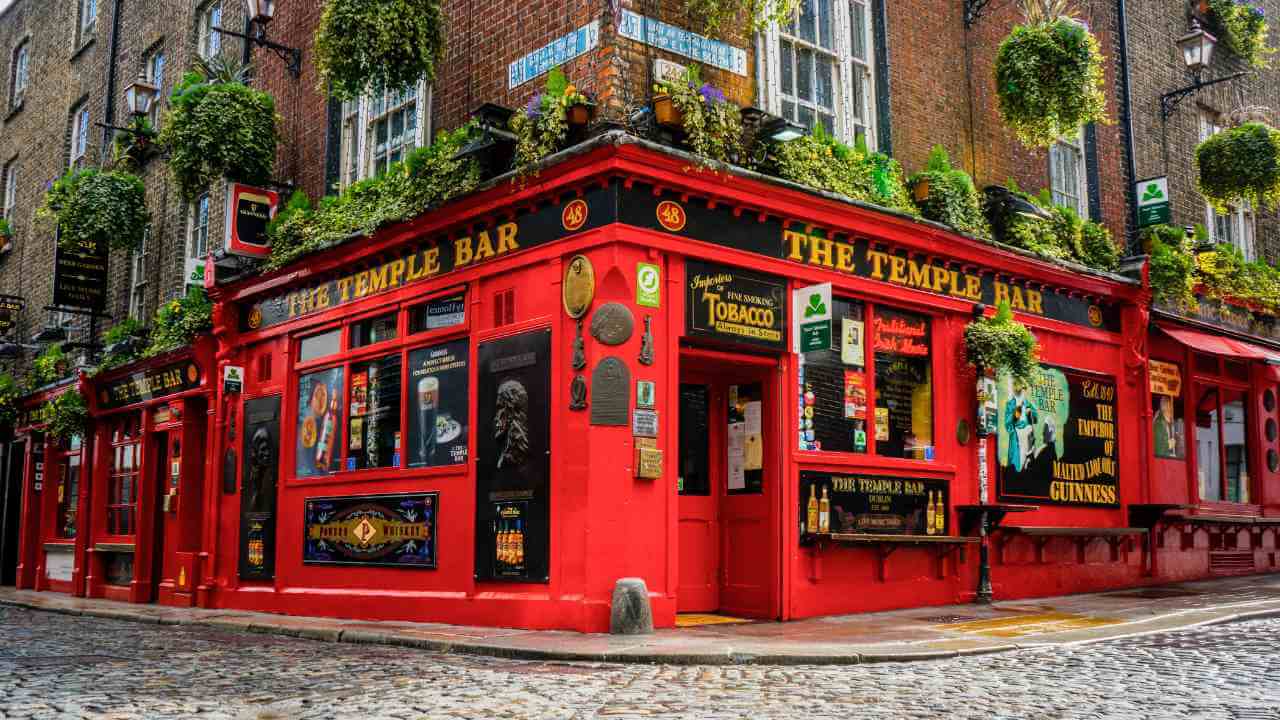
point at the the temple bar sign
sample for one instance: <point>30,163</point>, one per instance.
<point>153,383</point>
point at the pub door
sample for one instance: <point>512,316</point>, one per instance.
<point>11,510</point>
<point>164,517</point>
<point>728,487</point>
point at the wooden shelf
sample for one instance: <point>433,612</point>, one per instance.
<point>885,545</point>
<point>971,515</point>
<point>1083,536</point>
<point>870,539</point>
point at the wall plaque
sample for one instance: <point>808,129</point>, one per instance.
<point>610,392</point>
<point>612,324</point>
<point>390,530</point>
<point>258,497</point>
<point>579,286</point>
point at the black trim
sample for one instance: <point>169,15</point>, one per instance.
<point>1126,127</point>
<point>333,147</point>
<point>1091,172</point>
<point>884,113</point>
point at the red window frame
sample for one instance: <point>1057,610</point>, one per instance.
<point>71,456</point>
<point>1203,379</point>
<point>125,442</point>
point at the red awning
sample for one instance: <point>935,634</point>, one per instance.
<point>1219,345</point>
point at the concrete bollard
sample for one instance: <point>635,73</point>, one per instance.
<point>630,613</point>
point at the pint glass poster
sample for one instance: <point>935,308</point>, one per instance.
<point>319,423</point>
<point>1057,439</point>
<point>438,401</point>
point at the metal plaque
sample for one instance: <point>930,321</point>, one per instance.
<point>644,423</point>
<point>648,465</point>
<point>579,287</point>
<point>610,392</point>
<point>612,324</point>
<point>578,393</point>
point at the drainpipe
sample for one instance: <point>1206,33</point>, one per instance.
<point>1126,124</point>
<point>113,58</point>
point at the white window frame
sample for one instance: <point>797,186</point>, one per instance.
<point>1239,223</point>
<point>209,41</point>
<point>138,277</point>
<point>845,95</point>
<point>153,62</point>
<point>358,121</point>
<point>88,20</point>
<point>197,235</point>
<point>79,133</point>
<point>21,73</point>
<point>1076,198</point>
<point>9,200</point>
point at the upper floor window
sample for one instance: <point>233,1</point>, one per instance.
<point>379,130</point>
<point>88,19</point>
<point>20,74</point>
<point>153,62</point>
<point>1236,225</point>
<point>197,241</point>
<point>138,278</point>
<point>1067,174</point>
<point>79,133</point>
<point>210,39</point>
<point>9,195</point>
<point>822,66</point>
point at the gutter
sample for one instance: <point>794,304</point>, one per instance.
<point>113,58</point>
<point>1126,124</point>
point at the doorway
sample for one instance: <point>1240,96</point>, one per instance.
<point>11,511</point>
<point>728,486</point>
<point>162,488</point>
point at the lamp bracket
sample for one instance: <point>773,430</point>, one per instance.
<point>292,57</point>
<point>1170,100</point>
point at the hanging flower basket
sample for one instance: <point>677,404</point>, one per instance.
<point>1241,164</point>
<point>378,45</point>
<point>666,113</point>
<point>920,190</point>
<point>1049,80</point>
<point>1000,344</point>
<point>98,208</point>
<point>1241,25</point>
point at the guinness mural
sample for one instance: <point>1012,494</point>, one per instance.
<point>390,530</point>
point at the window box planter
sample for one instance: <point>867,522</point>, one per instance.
<point>666,113</point>
<point>580,114</point>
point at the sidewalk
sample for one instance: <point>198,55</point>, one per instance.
<point>901,635</point>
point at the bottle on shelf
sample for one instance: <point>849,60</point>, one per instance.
<point>811,519</point>
<point>824,512</point>
<point>929,516</point>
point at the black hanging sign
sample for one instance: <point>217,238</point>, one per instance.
<point>513,462</point>
<point>80,276</point>
<point>10,307</point>
<point>872,504</point>
<point>388,530</point>
<point>149,384</point>
<point>732,305</point>
<point>1056,440</point>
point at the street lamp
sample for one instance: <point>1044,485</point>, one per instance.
<point>140,95</point>
<point>1197,52</point>
<point>260,13</point>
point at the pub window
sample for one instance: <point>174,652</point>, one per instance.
<point>321,345</point>
<point>373,409</point>
<point>319,423</point>
<point>1222,457</point>
<point>870,398</point>
<point>438,313</point>
<point>122,488</point>
<point>374,330</point>
<point>69,490</point>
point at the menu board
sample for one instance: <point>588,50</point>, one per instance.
<point>438,401</point>
<point>389,530</point>
<point>316,445</point>
<point>872,504</point>
<point>80,275</point>
<point>1057,439</point>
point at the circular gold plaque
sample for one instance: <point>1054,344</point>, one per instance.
<point>579,286</point>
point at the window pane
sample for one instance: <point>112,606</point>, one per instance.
<point>319,423</point>
<point>806,117</point>
<point>373,330</point>
<point>858,30</point>
<point>859,96</point>
<point>804,75</point>
<point>1208,451</point>
<point>693,474</point>
<point>808,22</point>
<point>1168,431</point>
<point>438,399</point>
<point>1235,446</point>
<point>825,23</point>
<point>903,385</point>
<point>833,386</point>
<point>789,110</point>
<point>373,434</point>
<point>788,74</point>
<point>825,73</point>
<point>318,346</point>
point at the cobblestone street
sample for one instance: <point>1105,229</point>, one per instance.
<point>57,666</point>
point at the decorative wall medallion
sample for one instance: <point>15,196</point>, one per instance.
<point>579,360</point>
<point>612,324</point>
<point>578,393</point>
<point>610,393</point>
<point>646,343</point>
<point>579,287</point>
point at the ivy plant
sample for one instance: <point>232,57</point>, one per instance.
<point>820,161</point>
<point>1002,345</point>
<point>715,15</point>
<point>214,129</point>
<point>66,415</point>
<point>114,355</point>
<point>6,229</point>
<point>1049,80</point>
<point>428,177</point>
<point>49,366</point>
<point>542,127</point>
<point>951,198</point>
<point>93,208</point>
<point>712,125</point>
<point>1241,164</point>
<point>1171,267</point>
<point>1063,236</point>
<point>178,322</point>
<point>1241,25</point>
<point>378,45</point>
<point>10,392</point>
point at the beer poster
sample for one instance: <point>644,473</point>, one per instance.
<point>386,530</point>
<point>872,504</point>
<point>317,448</point>
<point>438,400</point>
<point>1056,439</point>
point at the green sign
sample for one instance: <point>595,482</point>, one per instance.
<point>813,311</point>
<point>648,285</point>
<point>1153,202</point>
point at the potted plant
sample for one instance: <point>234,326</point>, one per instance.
<point>1049,77</point>
<point>822,162</point>
<point>542,128</point>
<point>179,321</point>
<point>1241,25</point>
<point>49,366</point>
<point>665,112</point>
<point>66,415</point>
<point>138,146</point>
<point>378,45</point>
<point>1241,163</point>
<point>711,125</point>
<point>947,195</point>
<point>999,344</point>
<point>98,208</point>
<point>715,14</point>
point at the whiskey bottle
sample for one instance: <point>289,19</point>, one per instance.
<point>929,516</point>
<point>824,512</point>
<point>811,519</point>
<point>518,560</point>
<point>940,517</point>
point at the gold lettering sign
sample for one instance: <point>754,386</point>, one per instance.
<point>1165,378</point>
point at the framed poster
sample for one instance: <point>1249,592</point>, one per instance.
<point>873,504</point>
<point>316,449</point>
<point>513,460</point>
<point>384,530</point>
<point>258,497</point>
<point>438,401</point>
<point>1056,439</point>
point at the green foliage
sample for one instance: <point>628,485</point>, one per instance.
<point>542,128</point>
<point>178,322</point>
<point>217,128</point>
<point>825,163</point>
<point>1241,25</point>
<point>1049,80</point>
<point>299,206</point>
<point>129,328</point>
<point>429,177</point>
<point>138,146</point>
<point>715,15</point>
<point>66,416</point>
<point>95,207</point>
<point>1064,236</point>
<point>1171,268</point>
<point>1002,345</point>
<point>1226,275</point>
<point>49,366</point>
<point>6,229</point>
<point>1241,164</point>
<point>712,125</point>
<point>378,45</point>
<point>1098,249</point>
<point>952,200</point>
<point>10,391</point>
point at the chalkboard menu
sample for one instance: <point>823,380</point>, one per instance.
<point>874,504</point>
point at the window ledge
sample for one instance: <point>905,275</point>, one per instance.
<point>84,45</point>
<point>14,109</point>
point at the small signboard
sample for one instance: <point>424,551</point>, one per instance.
<point>644,423</point>
<point>648,285</point>
<point>727,304</point>
<point>1165,378</point>
<point>249,209</point>
<point>149,384</point>
<point>553,54</point>
<point>655,33</point>
<point>813,317</point>
<point>1153,202</point>
<point>877,504</point>
<point>385,530</point>
<point>80,275</point>
<point>232,379</point>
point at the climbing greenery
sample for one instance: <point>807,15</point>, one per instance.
<point>1049,80</point>
<point>1064,236</point>
<point>716,15</point>
<point>378,45</point>
<point>1241,25</point>
<point>428,177</point>
<point>951,197</point>
<point>178,322</point>
<point>1241,164</point>
<point>216,128</point>
<point>712,125</point>
<point>113,354</point>
<point>94,208</point>
<point>1001,345</point>
<point>1171,269</point>
<point>49,366</point>
<point>542,127</point>
<point>10,391</point>
<point>66,415</point>
<point>820,161</point>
